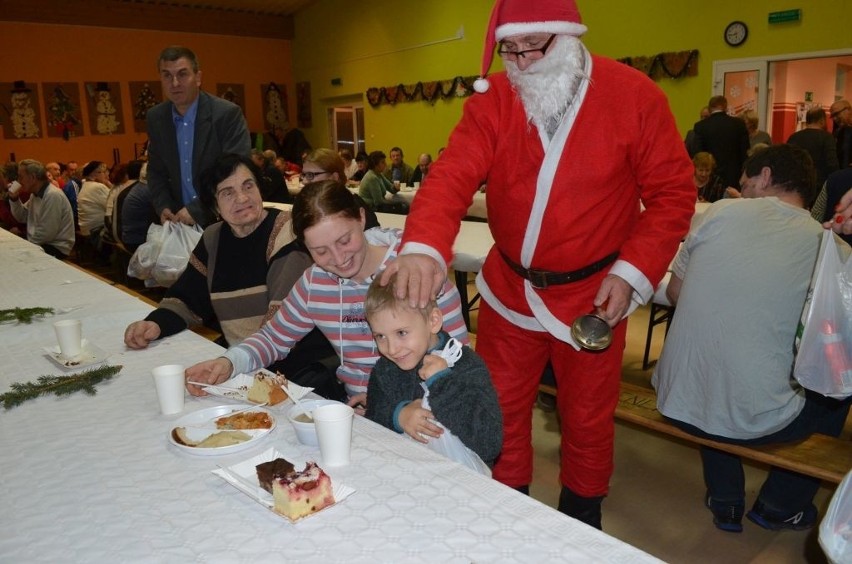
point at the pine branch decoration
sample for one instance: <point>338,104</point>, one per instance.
<point>24,314</point>
<point>58,385</point>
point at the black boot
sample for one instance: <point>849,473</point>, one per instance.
<point>585,509</point>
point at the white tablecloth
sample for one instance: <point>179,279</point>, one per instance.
<point>94,479</point>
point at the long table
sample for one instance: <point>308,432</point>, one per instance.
<point>94,479</point>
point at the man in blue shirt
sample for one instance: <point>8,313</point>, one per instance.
<point>186,135</point>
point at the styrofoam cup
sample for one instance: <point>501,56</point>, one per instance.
<point>69,333</point>
<point>169,381</point>
<point>334,432</point>
<point>416,185</point>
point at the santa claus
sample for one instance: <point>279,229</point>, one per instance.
<point>570,144</point>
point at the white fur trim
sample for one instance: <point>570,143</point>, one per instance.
<point>481,85</point>
<point>560,28</point>
<point>423,249</point>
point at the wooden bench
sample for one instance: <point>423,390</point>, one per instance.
<point>820,456</point>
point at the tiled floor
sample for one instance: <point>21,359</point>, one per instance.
<point>655,500</point>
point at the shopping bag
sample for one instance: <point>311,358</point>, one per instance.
<point>451,446</point>
<point>835,531</point>
<point>823,353</point>
<point>145,257</point>
<point>178,242</point>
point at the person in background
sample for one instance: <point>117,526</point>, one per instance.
<point>726,138</point>
<point>272,186</point>
<point>461,395</point>
<point>58,179</point>
<point>561,250</point>
<point>841,114</point>
<point>349,163</point>
<point>713,383</point>
<point>818,143</point>
<point>361,162</point>
<point>375,186</point>
<point>117,196</point>
<point>755,135</point>
<point>689,140</point>
<point>330,223</point>
<point>47,213</point>
<point>423,164</point>
<point>399,171</point>
<point>186,134</point>
<point>137,213</point>
<point>91,205</point>
<point>69,172</point>
<point>239,272</point>
<point>7,220</point>
<point>709,185</point>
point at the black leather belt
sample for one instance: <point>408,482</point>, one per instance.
<point>543,278</point>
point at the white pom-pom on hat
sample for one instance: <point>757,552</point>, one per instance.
<point>481,85</point>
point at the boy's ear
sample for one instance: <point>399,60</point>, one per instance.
<point>436,320</point>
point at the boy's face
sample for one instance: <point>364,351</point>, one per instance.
<point>403,335</point>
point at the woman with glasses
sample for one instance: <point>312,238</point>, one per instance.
<point>237,275</point>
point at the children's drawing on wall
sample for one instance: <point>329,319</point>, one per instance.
<point>21,118</point>
<point>144,95</point>
<point>275,106</point>
<point>62,108</point>
<point>105,115</point>
<point>234,93</point>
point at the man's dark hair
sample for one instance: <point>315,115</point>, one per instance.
<point>815,115</point>
<point>792,169</point>
<point>91,167</point>
<point>174,52</point>
<point>375,158</point>
<point>134,169</point>
<point>401,154</point>
<point>718,103</point>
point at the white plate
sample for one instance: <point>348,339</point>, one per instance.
<point>243,476</point>
<point>237,388</point>
<point>204,420</point>
<point>90,355</point>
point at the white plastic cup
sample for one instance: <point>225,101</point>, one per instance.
<point>170,385</point>
<point>416,185</point>
<point>334,432</point>
<point>69,333</point>
<point>403,186</point>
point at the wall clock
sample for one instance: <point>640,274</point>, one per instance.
<point>736,34</point>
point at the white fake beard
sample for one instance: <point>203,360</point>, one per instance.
<point>548,85</point>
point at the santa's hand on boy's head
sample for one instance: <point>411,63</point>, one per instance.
<point>432,364</point>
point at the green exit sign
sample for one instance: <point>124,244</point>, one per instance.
<point>785,16</point>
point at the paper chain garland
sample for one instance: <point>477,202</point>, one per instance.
<point>664,65</point>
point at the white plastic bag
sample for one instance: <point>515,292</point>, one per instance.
<point>452,447</point>
<point>145,257</point>
<point>823,361</point>
<point>178,242</point>
<point>835,531</point>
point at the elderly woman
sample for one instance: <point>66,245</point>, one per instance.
<point>237,275</point>
<point>708,184</point>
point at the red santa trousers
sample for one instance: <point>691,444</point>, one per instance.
<point>588,388</point>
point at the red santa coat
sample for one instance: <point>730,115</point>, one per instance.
<point>620,146</point>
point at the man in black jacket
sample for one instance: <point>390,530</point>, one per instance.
<point>726,138</point>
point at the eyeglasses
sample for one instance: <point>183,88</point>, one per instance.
<point>310,176</point>
<point>230,194</point>
<point>523,54</point>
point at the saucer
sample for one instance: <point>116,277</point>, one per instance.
<point>89,355</point>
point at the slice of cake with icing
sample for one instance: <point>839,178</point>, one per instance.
<point>267,389</point>
<point>296,494</point>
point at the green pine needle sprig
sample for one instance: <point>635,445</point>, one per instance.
<point>58,385</point>
<point>24,314</point>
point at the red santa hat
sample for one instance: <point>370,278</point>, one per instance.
<point>516,17</point>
